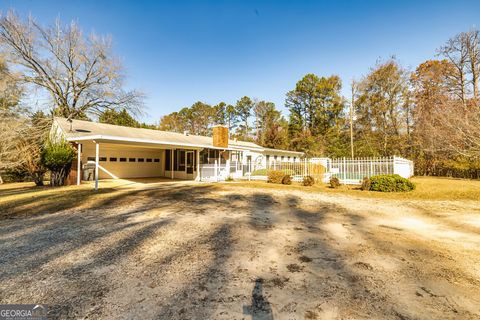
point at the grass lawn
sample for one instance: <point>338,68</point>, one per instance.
<point>21,199</point>
<point>427,188</point>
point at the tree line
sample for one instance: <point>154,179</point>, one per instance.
<point>429,114</point>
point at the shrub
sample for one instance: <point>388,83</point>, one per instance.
<point>287,179</point>
<point>335,182</point>
<point>229,179</point>
<point>366,184</point>
<point>391,183</point>
<point>18,174</point>
<point>275,176</point>
<point>308,181</point>
<point>58,157</point>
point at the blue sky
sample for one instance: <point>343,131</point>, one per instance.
<point>179,52</point>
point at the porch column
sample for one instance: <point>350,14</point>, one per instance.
<point>79,160</point>
<point>171,163</point>
<point>97,152</point>
<point>227,163</point>
<point>198,166</point>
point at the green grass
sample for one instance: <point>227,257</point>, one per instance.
<point>427,188</point>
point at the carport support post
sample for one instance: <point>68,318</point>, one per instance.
<point>171,163</point>
<point>198,166</point>
<point>79,160</point>
<point>97,152</point>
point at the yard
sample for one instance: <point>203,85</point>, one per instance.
<point>242,250</point>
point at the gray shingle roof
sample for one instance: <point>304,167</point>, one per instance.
<point>82,129</point>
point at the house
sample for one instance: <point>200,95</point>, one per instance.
<point>115,152</point>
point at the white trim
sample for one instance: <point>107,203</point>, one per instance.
<point>97,153</point>
<point>79,160</point>
<point>198,165</point>
<point>116,138</point>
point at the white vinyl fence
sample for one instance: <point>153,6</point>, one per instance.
<point>352,171</point>
<point>347,170</point>
<point>300,168</point>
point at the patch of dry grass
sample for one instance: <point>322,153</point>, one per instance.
<point>427,188</point>
<point>21,199</point>
<point>26,199</point>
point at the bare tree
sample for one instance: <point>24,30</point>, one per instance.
<point>463,51</point>
<point>455,50</point>
<point>459,130</point>
<point>80,73</point>
<point>473,49</point>
<point>22,140</point>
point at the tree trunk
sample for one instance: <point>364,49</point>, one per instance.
<point>59,175</point>
<point>38,178</point>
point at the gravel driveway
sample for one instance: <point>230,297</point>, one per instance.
<point>180,251</point>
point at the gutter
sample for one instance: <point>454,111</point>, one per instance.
<point>157,142</point>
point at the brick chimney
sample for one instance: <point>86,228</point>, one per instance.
<point>220,136</point>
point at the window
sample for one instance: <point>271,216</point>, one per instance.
<point>167,160</point>
<point>103,159</point>
<point>281,158</point>
<point>204,156</point>
<point>123,159</point>
<point>90,158</point>
<point>180,160</point>
<point>156,160</point>
<point>112,159</point>
<point>141,160</point>
<point>149,160</point>
<point>213,154</point>
<point>131,159</point>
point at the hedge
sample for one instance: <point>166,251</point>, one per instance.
<point>390,183</point>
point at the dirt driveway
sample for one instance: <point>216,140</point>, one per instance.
<point>180,251</point>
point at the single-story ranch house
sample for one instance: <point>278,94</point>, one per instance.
<point>108,151</point>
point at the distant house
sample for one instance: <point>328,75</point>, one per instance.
<point>123,152</point>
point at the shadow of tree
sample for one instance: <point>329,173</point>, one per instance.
<point>329,244</point>
<point>260,308</point>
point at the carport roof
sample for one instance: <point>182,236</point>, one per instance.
<point>80,130</point>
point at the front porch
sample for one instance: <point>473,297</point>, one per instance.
<point>101,160</point>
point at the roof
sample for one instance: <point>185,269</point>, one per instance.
<point>80,130</point>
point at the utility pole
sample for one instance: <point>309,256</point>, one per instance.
<point>351,117</point>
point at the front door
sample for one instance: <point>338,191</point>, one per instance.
<point>189,162</point>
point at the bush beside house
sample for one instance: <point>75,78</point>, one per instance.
<point>335,182</point>
<point>287,179</point>
<point>390,183</point>
<point>308,181</point>
<point>275,176</point>
<point>58,157</point>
